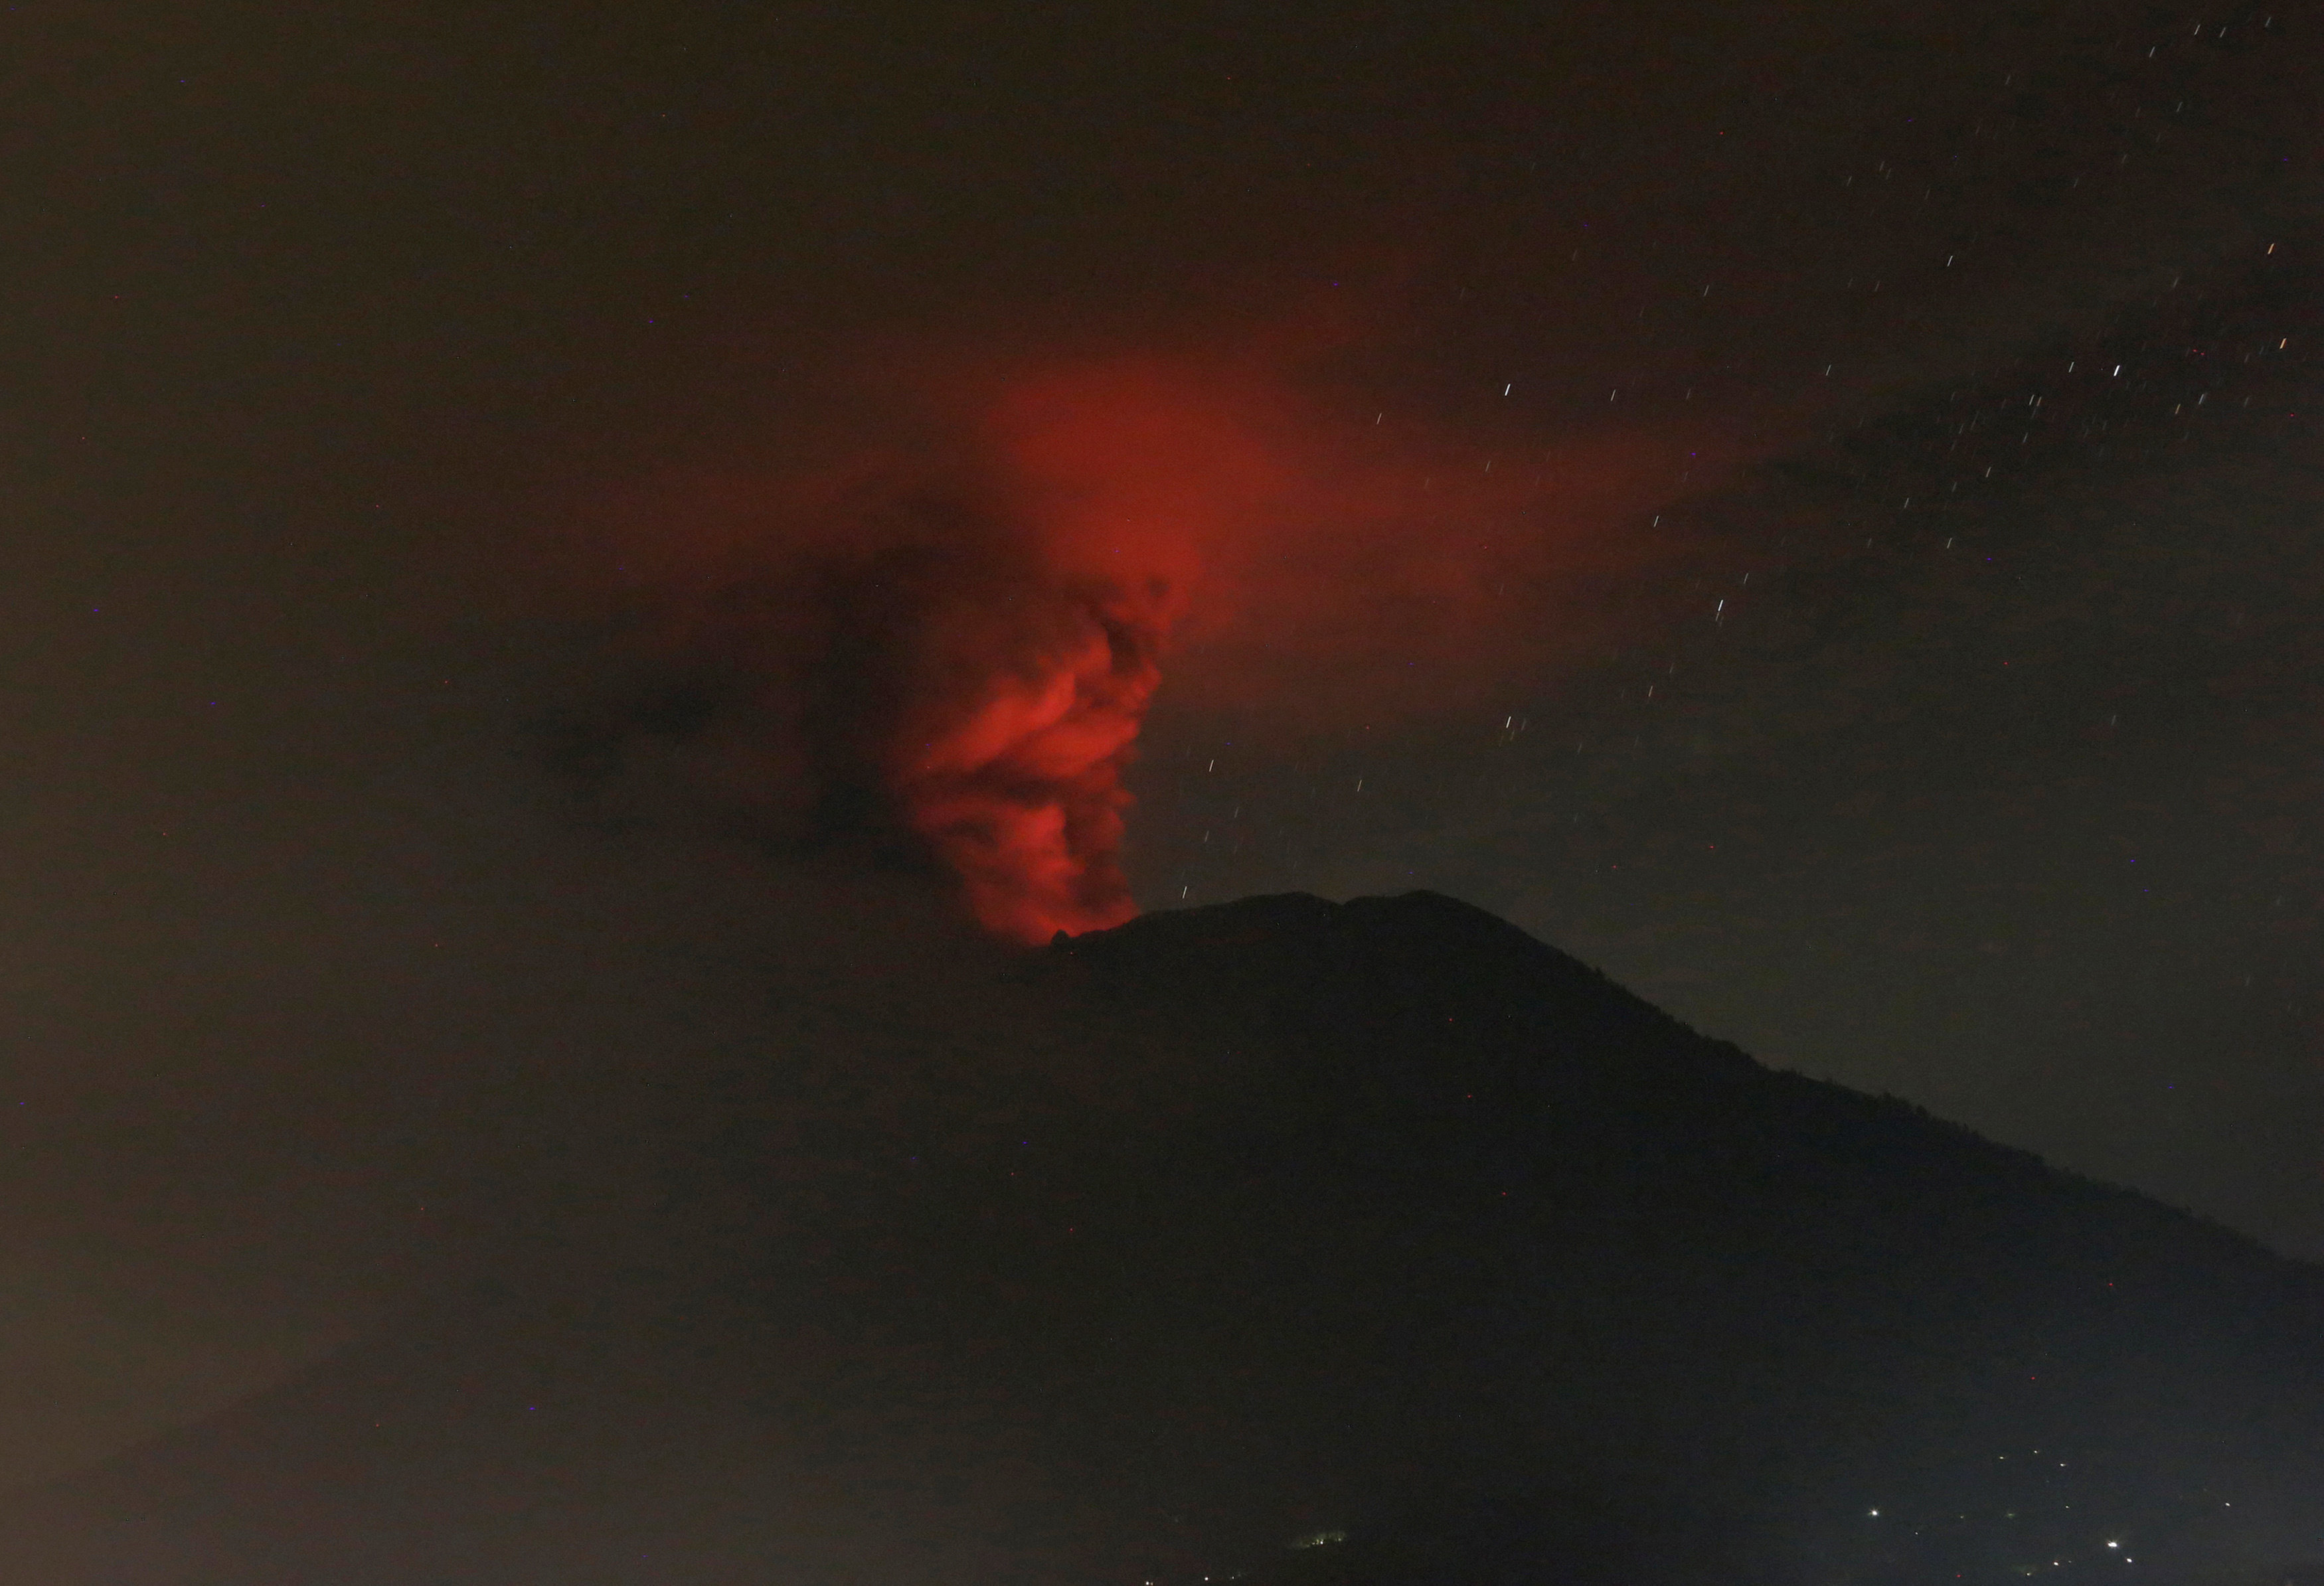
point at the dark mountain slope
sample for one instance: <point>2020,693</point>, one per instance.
<point>1246,1224</point>
<point>1799,1299</point>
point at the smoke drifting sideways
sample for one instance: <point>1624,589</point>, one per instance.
<point>936,640</point>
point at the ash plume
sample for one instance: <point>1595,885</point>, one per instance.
<point>941,648</point>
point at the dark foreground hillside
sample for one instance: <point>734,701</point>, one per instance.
<point>1372,1243</point>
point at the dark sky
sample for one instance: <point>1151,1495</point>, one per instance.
<point>422,427</point>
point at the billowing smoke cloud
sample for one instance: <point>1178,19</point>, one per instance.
<point>942,649</point>
<point>1007,690</point>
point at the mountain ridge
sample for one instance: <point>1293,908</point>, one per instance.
<point>1232,1226</point>
<point>1196,936</point>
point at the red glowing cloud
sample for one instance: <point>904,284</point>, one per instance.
<point>955,642</point>
<point>1008,760</point>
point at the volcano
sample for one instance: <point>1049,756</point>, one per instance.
<point>1283,1240</point>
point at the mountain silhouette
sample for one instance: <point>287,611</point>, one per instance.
<point>1366,1244</point>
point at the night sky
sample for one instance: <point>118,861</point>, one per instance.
<point>520,522</point>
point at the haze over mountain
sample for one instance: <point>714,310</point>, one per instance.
<point>1811,508</point>
<point>1378,1226</point>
